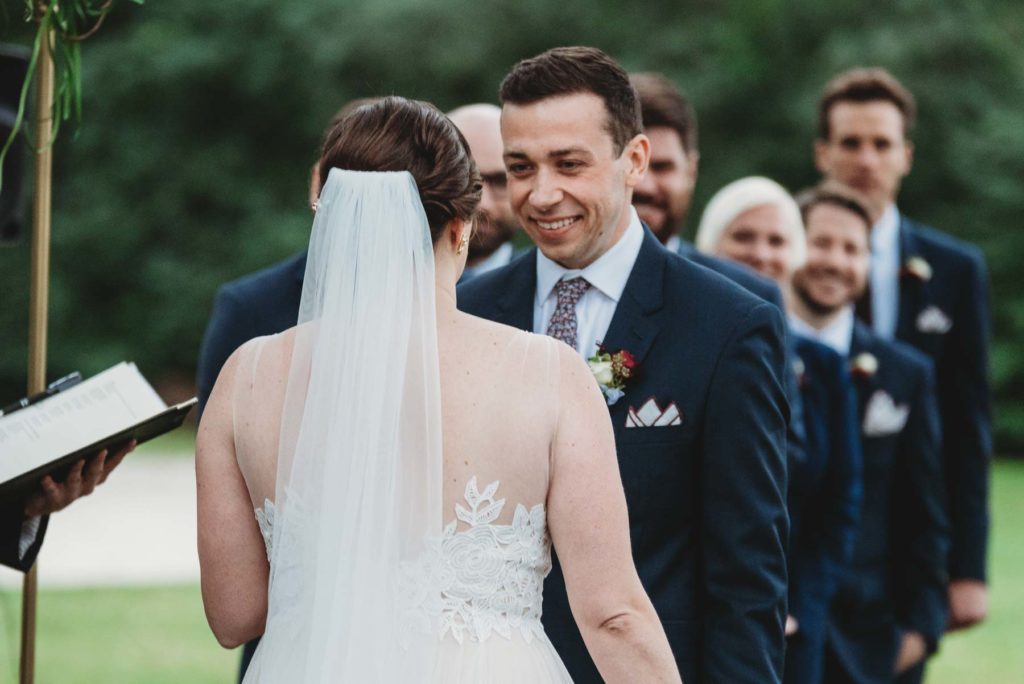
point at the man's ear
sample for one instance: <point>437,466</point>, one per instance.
<point>638,155</point>
<point>821,156</point>
<point>909,151</point>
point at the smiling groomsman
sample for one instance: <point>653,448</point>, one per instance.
<point>929,290</point>
<point>700,421</point>
<point>890,609</point>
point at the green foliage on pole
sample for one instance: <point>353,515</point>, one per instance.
<point>203,120</point>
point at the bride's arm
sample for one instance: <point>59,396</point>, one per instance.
<point>232,556</point>
<point>590,530</point>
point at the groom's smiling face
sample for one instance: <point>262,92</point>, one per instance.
<point>568,185</point>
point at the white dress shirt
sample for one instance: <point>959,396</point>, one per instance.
<point>838,334</point>
<point>29,532</point>
<point>674,243</point>
<point>885,273</point>
<point>607,276</point>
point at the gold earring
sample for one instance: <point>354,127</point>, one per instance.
<point>463,243</point>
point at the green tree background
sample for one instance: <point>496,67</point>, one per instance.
<point>203,118</point>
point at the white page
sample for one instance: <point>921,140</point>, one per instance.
<point>103,405</point>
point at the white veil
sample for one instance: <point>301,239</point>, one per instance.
<point>359,471</point>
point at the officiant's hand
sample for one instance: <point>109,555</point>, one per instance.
<point>968,603</point>
<point>79,482</point>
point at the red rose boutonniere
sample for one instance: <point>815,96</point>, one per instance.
<point>612,371</point>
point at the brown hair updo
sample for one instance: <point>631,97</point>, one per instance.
<point>397,134</point>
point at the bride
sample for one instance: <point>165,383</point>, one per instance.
<point>380,485</point>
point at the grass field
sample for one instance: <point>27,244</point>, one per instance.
<point>159,635</point>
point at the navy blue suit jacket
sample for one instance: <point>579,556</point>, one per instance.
<point>767,290</point>
<point>825,489</point>
<point>262,303</point>
<point>706,499</point>
<point>897,578</point>
<point>12,516</point>
<point>824,502</point>
<point>958,288</point>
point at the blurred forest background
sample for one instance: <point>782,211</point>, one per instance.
<point>202,119</point>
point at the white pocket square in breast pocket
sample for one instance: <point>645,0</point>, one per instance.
<point>933,320</point>
<point>884,416</point>
<point>651,415</point>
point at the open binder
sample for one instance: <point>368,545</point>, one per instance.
<point>104,412</point>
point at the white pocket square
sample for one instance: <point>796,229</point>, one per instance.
<point>651,415</point>
<point>934,320</point>
<point>884,416</point>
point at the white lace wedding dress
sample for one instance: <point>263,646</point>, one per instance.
<point>478,588</point>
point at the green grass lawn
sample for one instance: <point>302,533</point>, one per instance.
<point>159,635</point>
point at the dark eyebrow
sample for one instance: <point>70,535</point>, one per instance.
<point>569,151</point>
<point>514,155</point>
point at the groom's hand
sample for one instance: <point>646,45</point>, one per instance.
<point>913,649</point>
<point>80,482</point>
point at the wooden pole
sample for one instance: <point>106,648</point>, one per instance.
<point>38,308</point>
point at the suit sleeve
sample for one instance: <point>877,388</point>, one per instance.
<point>966,416</point>
<point>12,517</point>
<point>921,537</point>
<point>228,329</point>
<point>744,523</point>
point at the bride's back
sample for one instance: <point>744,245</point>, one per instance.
<point>499,409</point>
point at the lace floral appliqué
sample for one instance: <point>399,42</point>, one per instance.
<point>482,580</point>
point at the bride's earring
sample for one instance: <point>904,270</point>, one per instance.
<point>463,243</point>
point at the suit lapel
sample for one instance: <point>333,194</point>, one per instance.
<point>515,303</point>
<point>632,328</point>
<point>913,292</point>
<point>861,343</point>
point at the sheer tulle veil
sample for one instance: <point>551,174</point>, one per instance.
<point>359,472</point>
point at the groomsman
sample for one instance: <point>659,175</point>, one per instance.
<point>927,289</point>
<point>494,224</point>
<point>890,609</point>
<point>700,426</point>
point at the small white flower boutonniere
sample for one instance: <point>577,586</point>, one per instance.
<point>611,371</point>
<point>917,268</point>
<point>863,365</point>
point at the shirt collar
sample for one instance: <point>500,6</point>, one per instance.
<point>885,234</point>
<point>673,244</point>
<point>608,273</point>
<point>838,334</point>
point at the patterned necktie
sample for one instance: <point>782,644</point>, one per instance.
<point>563,325</point>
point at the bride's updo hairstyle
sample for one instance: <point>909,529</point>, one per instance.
<point>396,134</point>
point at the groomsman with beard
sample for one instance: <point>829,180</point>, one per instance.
<point>929,290</point>
<point>700,420</point>
<point>663,197</point>
<point>494,224</point>
<point>890,609</point>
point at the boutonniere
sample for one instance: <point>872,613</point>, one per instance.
<point>863,365</point>
<point>612,371</point>
<point>917,268</point>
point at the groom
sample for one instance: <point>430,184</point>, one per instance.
<point>700,428</point>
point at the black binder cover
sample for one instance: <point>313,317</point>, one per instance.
<point>21,486</point>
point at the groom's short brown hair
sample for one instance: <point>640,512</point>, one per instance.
<point>572,70</point>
